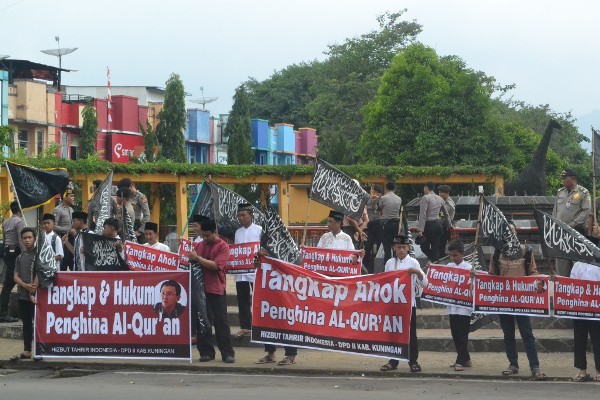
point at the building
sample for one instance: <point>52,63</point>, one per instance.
<point>281,144</point>
<point>199,136</point>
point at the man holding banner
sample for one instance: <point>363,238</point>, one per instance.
<point>249,232</point>
<point>522,264</point>
<point>151,236</point>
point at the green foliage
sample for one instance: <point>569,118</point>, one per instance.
<point>331,94</point>
<point>172,119</point>
<point>239,149</point>
<point>7,134</point>
<point>89,130</point>
<point>150,142</point>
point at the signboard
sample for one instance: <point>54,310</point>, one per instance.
<point>120,147</point>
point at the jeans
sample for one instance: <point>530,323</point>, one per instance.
<point>507,322</point>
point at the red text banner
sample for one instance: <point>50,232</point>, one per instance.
<point>576,298</point>
<point>449,286</point>
<point>115,315</point>
<point>143,258</point>
<point>241,258</point>
<point>370,315</point>
<point>516,295</point>
<point>332,262</point>
<point>185,246</point>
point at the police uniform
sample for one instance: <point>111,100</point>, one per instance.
<point>573,208</point>
<point>139,201</point>
<point>13,245</point>
<point>63,217</point>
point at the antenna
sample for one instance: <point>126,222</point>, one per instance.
<point>59,53</point>
<point>203,100</point>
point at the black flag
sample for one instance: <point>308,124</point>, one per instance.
<point>559,240</point>
<point>497,232</point>
<point>100,253</point>
<point>277,239</point>
<point>128,231</point>
<point>35,186</point>
<point>596,152</point>
<point>101,204</point>
<point>45,264</point>
<point>224,209</point>
<point>333,188</point>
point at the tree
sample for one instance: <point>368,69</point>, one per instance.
<point>150,141</point>
<point>239,147</point>
<point>432,110</point>
<point>172,119</point>
<point>7,137</point>
<point>89,130</point>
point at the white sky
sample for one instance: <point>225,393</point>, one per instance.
<point>548,48</point>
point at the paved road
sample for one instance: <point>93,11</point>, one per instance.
<point>38,384</point>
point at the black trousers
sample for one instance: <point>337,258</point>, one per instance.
<point>9,280</point>
<point>390,231</point>
<point>433,239</point>
<point>581,329</point>
<point>413,347</point>
<point>27,312</point>
<point>68,260</point>
<point>244,302</point>
<point>459,327</point>
<point>374,234</point>
<point>289,351</point>
<point>217,306</point>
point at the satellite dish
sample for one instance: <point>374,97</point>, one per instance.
<point>203,100</point>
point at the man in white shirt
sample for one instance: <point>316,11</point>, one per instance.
<point>335,238</point>
<point>244,283</point>
<point>52,239</point>
<point>151,235</point>
<point>78,226</point>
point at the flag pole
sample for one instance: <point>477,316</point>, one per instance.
<point>306,221</point>
<point>12,183</point>
<point>478,228</point>
<point>594,220</point>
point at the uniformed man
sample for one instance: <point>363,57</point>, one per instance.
<point>94,210</point>
<point>389,205</point>
<point>373,229</point>
<point>13,245</point>
<point>444,193</point>
<point>63,222</point>
<point>573,205</point>
<point>139,202</point>
<point>123,195</point>
<point>430,223</point>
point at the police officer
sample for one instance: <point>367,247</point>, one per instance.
<point>444,193</point>
<point>139,202</point>
<point>63,222</point>
<point>573,205</point>
<point>389,205</point>
<point>13,246</point>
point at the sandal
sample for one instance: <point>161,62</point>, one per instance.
<point>511,370</point>
<point>287,360</point>
<point>241,333</point>
<point>537,375</point>
<point>21,356</point>
<point>458,367</point>
<point>581,378</point>
<point>597,378</point>
<point>388,367</point>
<point>415,367</point>
<point>266,360</point>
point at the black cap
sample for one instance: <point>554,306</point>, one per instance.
<point>444,189</point>
<point>124,183</point>
<point>245,207</point>
<point>47,217</point>
<point>378,189</point>
<point>151,226</point>
<point>199,218</point>
<point>338,216</point>
<point>80,215</point>
<point>124,192</point>
<point>569,172</point>
<point>401,239</point>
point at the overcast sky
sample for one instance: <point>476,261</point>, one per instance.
<point>548,48</point>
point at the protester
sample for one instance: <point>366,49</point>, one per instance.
<point>94,210</point>
<point>212,255</point>
<point>196,225</point>
<point>401,262</point>
<point>460,317</point>
<point>151,235</point>
<point>63,223</point>
<point>13,246</point>
<point>335,238</point>
<point>573,206</point>
<point>430,225</point>
<point>244,283</point>
<point>76,249</point>
<point>111,225</point>
<point>389,205</point>
<point>26,278</point>
<point>373,231</point>
<point>124,206</point>
<point>169,307</point>
<point>584,327</point>
<point>502,265</point>
<point>52,239</point>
